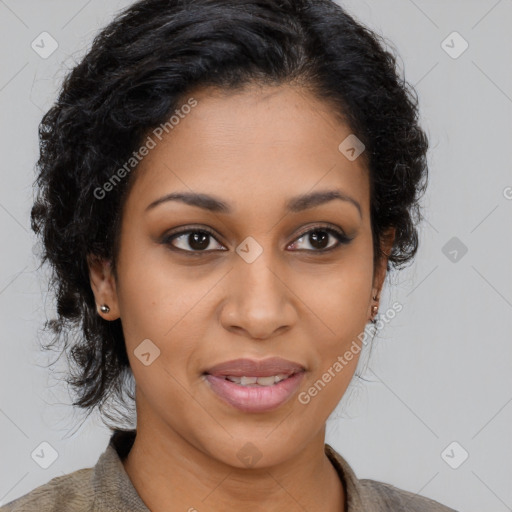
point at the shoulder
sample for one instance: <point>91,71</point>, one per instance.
<point>106,486</point>
<point>68,493</point>
<point>389,498</point>
<point>365,495</point>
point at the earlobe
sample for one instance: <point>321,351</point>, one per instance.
<point>387,241</point>
<point>103,286</point>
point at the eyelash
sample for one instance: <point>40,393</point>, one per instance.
<point>341,237</point>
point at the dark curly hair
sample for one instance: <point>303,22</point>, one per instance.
<point>137,72</point>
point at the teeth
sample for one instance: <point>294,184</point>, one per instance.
<point>251,380</point>
<point>266,381</point>
<point>261,381</point>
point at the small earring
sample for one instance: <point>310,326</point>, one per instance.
<point>104,308</point>
<point>375,308</point>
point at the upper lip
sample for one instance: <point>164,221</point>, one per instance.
<point>253,368</point>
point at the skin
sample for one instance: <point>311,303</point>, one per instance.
<point>254,150</point>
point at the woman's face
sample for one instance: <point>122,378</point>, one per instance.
<point>271,280</point>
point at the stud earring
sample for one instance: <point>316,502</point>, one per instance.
<point>104,308</point>
<point>375,308</point>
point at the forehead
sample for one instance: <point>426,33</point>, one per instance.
<point>261,144</point>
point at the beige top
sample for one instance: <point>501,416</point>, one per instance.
<point>106,487</point>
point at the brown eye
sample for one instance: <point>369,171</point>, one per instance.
<point>192,240</point>
<point>318,239</point>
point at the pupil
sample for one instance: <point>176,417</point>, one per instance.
<point>319,242</point>
<point>198,240</point>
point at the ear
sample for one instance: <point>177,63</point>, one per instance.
<point>103,285</point>
<point>387,240</point>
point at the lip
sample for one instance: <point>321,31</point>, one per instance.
<point>254,398</point>
<point>254,368</point>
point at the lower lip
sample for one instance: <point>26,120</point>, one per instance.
<point>255,398</point>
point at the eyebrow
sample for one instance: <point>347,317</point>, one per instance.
<point>295,204</point>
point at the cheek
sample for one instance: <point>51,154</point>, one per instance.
<point>336,342</point>
<point>152,295</point>
<point>161,303</point>
<point>339,294</point>
<point>340,300</point>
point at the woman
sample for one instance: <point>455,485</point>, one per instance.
<point>223,188</point>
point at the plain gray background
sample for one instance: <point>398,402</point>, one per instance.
<point>440,371</point>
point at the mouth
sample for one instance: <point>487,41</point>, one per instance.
<point>255,386</point>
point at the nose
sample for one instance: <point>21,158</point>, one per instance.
<point>260,302</point>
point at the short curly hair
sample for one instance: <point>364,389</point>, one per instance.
<point>137,72</point>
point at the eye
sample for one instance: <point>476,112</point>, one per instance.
<point>318,238</point>
<point>199,240</point>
